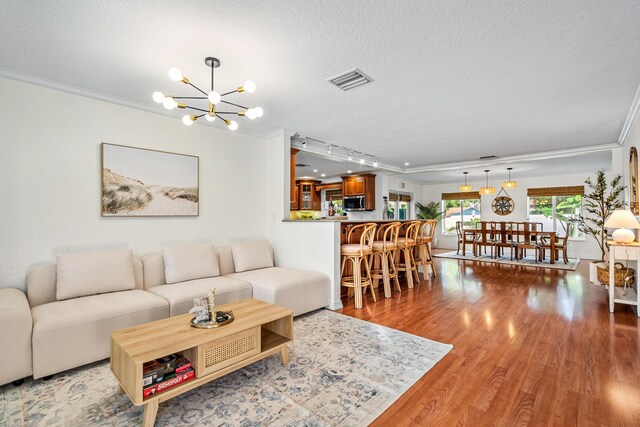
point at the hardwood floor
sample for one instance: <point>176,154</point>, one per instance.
<point>531,347</point>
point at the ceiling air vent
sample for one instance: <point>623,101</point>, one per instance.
<point>350,79</point>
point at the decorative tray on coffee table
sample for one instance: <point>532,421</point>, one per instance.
<point>222,318</point>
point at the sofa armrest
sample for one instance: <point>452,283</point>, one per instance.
<point>15,335</point>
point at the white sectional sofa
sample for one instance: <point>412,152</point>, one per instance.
<point>76,303</point>
<point>70,332</point>
<point>245,270</point>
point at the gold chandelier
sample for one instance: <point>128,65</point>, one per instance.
<point>465,187</point>
<point>487,189</point>
<point>509,184</point>
<point>213,99</point>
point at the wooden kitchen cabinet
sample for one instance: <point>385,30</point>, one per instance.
<point>354,187</point>
<point>293,190</point>
<point>361,185</point>
<point>308,195</point>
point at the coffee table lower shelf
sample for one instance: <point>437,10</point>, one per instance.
<point>219,353</point>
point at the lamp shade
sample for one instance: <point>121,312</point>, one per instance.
<point>621,218</point>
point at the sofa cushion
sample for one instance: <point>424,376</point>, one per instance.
<point>91,273</point>
<point>298,290</point>
<point>77,331</point>
<point>251,255</point>
<point>180,295</point>
<point>188,262</point>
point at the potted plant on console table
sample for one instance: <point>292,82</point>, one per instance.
<point>599,203</point>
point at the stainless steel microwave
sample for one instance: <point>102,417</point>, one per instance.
<point>353,203</point>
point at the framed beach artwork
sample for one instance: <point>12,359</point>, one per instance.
<point>142,182</point>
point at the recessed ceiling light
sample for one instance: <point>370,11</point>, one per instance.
<point>406,163</point>
<point>324,174</point>
<point>349,171</point>
<point>315,170</point>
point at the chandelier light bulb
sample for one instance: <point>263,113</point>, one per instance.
<point>158,97</point>
<point>210,117</point>
<point>214,97</point>
<point>232,125</point>
<point>251,113</point>
<point>249,86</point>
<point>169,103</point>
<point>175,74</point>
<point>187,120</point>
<point>258,111</point>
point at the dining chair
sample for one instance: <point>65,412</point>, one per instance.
<point>486,238</point>
<point>525,232</point>
<point>505,239</point>
<point>561,245</point>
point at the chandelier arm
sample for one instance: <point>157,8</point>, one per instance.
<point>197,109</point>
<point>221,118</point>
<point>235,105</point>
<point>229,93</point>
<point>198,89</point>
<point>227,112</point>
<point>189,97</point>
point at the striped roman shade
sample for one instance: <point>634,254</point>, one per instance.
<point>577,190</point>
<point>394,197</point>
<point>462,195</point>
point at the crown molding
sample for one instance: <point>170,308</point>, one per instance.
<point>633,112</point>
<point>100,96</point>
<point>523,157</point>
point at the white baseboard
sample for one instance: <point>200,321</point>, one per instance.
<point>336,305</point>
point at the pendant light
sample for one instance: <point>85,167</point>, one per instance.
<point>465,187</point>
<point>487,189</point>
<point>509,184</point>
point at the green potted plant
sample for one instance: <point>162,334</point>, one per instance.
<point>429,211</point>
<point>599,202</point>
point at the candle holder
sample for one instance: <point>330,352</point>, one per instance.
<point>207,317</point>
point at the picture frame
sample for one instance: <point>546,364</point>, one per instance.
<point>141,182</point>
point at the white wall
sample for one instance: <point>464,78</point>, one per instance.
<point>50,174</point>
<point>309,245</point>
<point>587,249</point>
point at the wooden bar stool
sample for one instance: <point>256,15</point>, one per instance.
<point>382,260</point>
<point>426,233</point>
<point>356,253</point>
<point>406,244</point>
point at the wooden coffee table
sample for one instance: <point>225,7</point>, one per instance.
<point>259,330</point>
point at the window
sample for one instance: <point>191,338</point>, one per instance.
<point>398,206</point>
<point>466,211</point>
<point>554,212</point>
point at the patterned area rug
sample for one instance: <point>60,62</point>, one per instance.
<point>343,372</point>
<point>528,261</point>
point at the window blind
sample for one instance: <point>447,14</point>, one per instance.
<point>394,197</point>
<point>332,195</point>
<point>462,195</point>
<point>577,190</point>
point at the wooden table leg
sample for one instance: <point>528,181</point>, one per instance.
<point>150,412</point>
<point>284,355</point>
<point>552,259</point>
<point>120,389</point>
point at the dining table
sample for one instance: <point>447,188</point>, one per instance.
<point>474,232</point>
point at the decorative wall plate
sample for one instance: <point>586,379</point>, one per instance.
<point>502,205</point>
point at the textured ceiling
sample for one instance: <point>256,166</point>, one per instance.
<point>453,80</point>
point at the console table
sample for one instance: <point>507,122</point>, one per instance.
<point>628,252</point>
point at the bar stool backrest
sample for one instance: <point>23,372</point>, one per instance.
<point>388,233</point>
<point>433,223</point>
<point>367,236</point>
<point>410,230</point>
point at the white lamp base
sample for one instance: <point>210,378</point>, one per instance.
<point>623,235</point>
